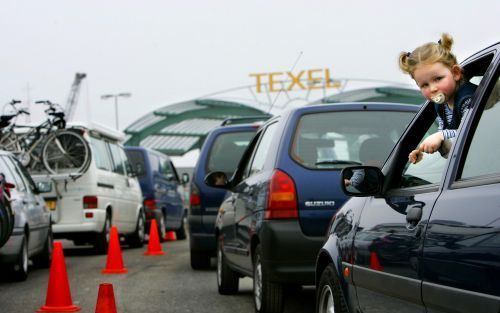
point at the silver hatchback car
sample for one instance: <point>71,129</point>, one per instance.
<point>32,235</point>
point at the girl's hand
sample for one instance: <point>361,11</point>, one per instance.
<point>415,156</point>
<point>432,143</point>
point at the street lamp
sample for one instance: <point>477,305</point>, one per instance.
<point>122,94</point>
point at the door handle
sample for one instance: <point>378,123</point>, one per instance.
<point>413,217</point>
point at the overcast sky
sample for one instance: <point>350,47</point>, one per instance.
<point>168,51</point>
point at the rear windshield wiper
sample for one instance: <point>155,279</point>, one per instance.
<point>340,162</point>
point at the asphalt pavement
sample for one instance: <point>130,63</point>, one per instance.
<point>153,284</point>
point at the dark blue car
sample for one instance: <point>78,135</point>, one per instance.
<point>424,237</point>
<point>162,190</point>
<point>221,151</point>
<point>286,188</point>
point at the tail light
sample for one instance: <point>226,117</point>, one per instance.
<point>194,199</point>
<point>90,202</point>
<point>282,199</point>
<point>150,204</point>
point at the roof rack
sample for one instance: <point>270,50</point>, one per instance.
<point>245,119</point>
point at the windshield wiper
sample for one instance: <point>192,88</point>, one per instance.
<point>338,162</point>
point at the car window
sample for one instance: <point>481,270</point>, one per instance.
<point>428,171</point>
<point>24,173</point>
<point>343,138</point>
<point>167,169</point>
<point>100,154</point>
<point>482,156</point>
<point>11,174</point>
<point>227,150</point>
<point>262,150</point>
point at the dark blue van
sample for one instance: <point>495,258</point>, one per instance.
<point>161,188</point>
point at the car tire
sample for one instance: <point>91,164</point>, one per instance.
<point>162,230</point>
<point>227,279</point>
<point>102,238</point>
<point>330,297</point>
<point>200,260</point>
<point>20,268</point>
<point>44,259</point>
<point>136,240</point>
<point>268,296</point>
<point>181,232</point>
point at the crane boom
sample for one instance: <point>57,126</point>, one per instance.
<point>70,108</point>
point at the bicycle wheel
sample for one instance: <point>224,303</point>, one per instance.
<point>66,151</point>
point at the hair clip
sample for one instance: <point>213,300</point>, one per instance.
<point>408,54</point>
<point>439,41</point>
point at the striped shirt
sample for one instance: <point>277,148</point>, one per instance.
<point>448,112</point>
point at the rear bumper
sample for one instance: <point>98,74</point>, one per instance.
<point>199,238</point>
<point>92,224</point>
<point>288,256</point>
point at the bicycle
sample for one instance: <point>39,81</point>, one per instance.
<point>49,145</point>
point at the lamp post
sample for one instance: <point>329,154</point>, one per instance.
<point>121,94</point>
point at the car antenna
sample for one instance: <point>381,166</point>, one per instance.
<point>279,92</point>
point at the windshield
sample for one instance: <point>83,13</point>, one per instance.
<point>339,139</point>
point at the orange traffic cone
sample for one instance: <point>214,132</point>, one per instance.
<point>170,236</point>
<point>154,247</point>
<point>58,297</point>
<point>374,262</point>
<point>105,299</point>
<point>114,262</point>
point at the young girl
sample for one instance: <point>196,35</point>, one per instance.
<point>435,70</point>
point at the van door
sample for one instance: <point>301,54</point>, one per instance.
<point>462,246</point>
<point>175,207</point>
<point>125,197</point>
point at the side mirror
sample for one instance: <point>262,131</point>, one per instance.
<point>185,178</point>
<point>362,181</point>
<point>217,180</point>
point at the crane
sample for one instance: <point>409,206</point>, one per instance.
<point>73,96</point>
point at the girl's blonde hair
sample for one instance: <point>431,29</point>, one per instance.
<point>428,53</point>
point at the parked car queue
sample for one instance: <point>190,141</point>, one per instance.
<point>413,238</point>
<point>82,207</point>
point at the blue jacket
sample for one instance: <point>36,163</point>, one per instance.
<point>464,93</point>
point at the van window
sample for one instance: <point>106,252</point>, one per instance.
<point>119,163</point>
<point>136,158</point>
<point>227,151</point>
<point>168,169</point>
<point>100,154</point>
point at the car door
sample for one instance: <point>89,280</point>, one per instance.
<point>461,256</point>
<point>389,237</point>
<point>249,198</point>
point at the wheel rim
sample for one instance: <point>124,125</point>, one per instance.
<point>326,304</point>
<point>162,227</point>
<point>257,285</point>
<point>219,266</point>
<point>107,228</point>
<point>140,229</point>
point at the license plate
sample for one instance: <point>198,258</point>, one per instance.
<point>51,204</point>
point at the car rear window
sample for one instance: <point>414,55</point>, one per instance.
<point>227,150</point>
<point>136,159</point>
<point>339,139</point>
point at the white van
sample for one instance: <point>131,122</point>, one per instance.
<point>85,206</point>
